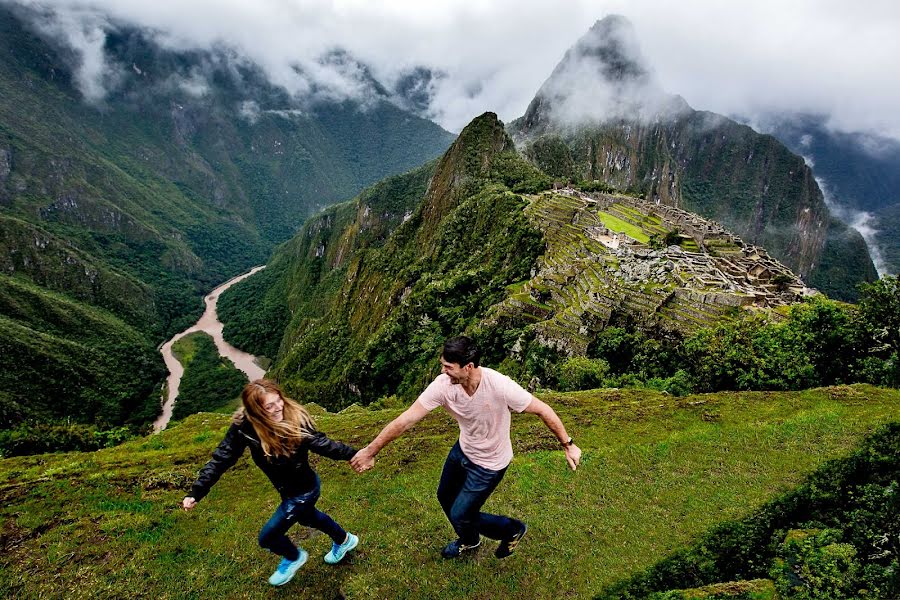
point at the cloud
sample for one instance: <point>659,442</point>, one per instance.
<point>250,111</point>
<point>604,76</point>
<point>813,56</point>
<point>195,85</point>
<point>818,56</point>
<point>84,31</point>
<point>862,221</point>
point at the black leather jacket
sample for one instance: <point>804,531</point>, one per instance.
<point>291,476</point>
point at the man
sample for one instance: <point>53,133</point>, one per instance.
<point>480,399</point>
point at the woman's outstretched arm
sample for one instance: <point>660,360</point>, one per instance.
<point>223,458</point>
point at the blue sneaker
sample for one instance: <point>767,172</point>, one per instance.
<point>287,568</point>
<point>339,551</point>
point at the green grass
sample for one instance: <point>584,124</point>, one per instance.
<point>657,472</point>
<point>618,225</point>
<point>689,245</point>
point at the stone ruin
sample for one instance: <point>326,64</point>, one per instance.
<point>743,268</point>
<point>590,273</point>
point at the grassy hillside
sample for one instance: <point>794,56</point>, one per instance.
<point>657,473</point>
<point>142,203</point>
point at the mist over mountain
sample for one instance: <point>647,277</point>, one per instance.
<point>859,175</point>
<point>603,77</point>
<point>601,116</point>
<point>134,177</point>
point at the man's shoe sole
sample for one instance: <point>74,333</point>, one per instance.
<point>462,550</point>
<point>511,545</point>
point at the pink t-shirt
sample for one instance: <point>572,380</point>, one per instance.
<point>483,418</point>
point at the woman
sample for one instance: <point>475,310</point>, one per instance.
<point>280,433</point>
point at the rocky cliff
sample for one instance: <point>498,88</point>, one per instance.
<point>525,271</point>
<point>602,117</point>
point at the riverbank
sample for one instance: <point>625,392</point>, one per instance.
<point>208,323</point>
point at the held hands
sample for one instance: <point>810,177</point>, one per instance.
<point>573,456</point>
<point>363,460</point>
<point>188,503</point>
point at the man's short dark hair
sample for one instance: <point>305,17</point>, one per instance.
<point>461,350</point>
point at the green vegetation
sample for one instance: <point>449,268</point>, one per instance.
<point>551,155</point>
<point>137,208</point>
<point>519,176</point>
<point>582,373</point>
<point>63,362</point>
<point>210,382</point>
<point>254,314</point>
<point>834,537</point>
<point>108,523</point>
<point>817,342</point>
<point>618,225</point>
<point>40,438</point>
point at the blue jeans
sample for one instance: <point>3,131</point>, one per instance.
<point>463,490</point>
<point>299,509</point>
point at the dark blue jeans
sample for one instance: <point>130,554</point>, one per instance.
<point>463,490</point>
<point>302,510</point>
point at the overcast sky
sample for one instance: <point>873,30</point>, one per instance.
<point>836,57</point>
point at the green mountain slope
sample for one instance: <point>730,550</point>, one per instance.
<point>656,475</point>
<point>374,286</point>
<point>63,360</point>
<point>640,139</point>
<point>142,202</point>
<point>354,307</point>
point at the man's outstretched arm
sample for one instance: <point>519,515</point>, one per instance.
<point>554,424</point>
<point>365,458</point>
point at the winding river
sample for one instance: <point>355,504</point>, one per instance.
<point>208,323</point>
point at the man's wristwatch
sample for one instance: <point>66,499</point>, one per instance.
<point>569,443</point>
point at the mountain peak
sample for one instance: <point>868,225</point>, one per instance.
<point>612,44</point>
<point>469,159</point>
<point>603,77</point>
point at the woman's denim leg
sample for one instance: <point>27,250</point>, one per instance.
<point>319,520</point>
<point>272,536</point>
<point>302,510</point>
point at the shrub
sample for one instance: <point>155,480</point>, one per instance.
<point>813,565</point>
<point>39,438</point>
<point>581,373</point>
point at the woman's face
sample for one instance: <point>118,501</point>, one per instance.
<point>274,406</point>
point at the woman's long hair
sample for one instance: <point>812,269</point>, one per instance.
<point>283,437</point>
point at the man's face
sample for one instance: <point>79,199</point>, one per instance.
<point>456,373</point>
